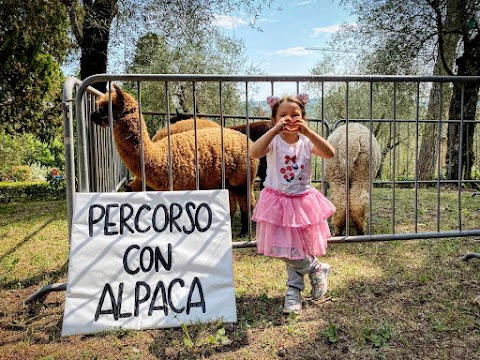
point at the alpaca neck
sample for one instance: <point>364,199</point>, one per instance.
<point>128,140</point>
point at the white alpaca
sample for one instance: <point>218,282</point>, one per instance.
<point>360,161</point>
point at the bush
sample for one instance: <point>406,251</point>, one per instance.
<point>39,172</point>
<point>21,173</point>
<point>27,149</point>
<point>27,191</point>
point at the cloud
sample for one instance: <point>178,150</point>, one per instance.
<point>229,22</point>
<point>293,51</point>
<point>302,3</point>
<point>267,20</point>
<point>326,30</point>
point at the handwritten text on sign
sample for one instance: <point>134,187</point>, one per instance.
<point>149,260</point>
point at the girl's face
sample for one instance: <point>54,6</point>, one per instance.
<point>288,110</point>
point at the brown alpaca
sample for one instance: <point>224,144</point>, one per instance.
<point>127,140</point>
<point>257,129</point>
<point>184,125</point>
<point>177,127</point>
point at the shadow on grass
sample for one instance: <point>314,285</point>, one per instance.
<point>38,279</point>
<point>425,309</point>
<point>252,313</point>
<point>27,238</point>
<point>420,310</point>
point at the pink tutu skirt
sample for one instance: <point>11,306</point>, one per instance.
<point>292,226</point>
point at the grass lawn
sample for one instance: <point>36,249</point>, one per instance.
<point>387,300</point>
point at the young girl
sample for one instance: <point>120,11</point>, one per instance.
<point>292,215</point>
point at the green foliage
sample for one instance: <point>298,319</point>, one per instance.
<point>219,338</point>
<point>27,191</point>
<point>378,337</point>
<point>21,173</point>
<point>31,77</point>
<point>394,33</point>
<point>27,149</point>
<point>331,333</point>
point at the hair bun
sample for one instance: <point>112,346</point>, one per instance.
<point>272,100</point>
<point>303,98</point>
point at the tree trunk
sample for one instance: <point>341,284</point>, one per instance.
<point>429,147</point>
<point>96,35</point>
<point>469,65</point>
<point>427,154</point>
<point>464,145</point>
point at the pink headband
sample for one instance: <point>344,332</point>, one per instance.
<point>272,100</point>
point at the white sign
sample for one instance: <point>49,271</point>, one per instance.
<point>149,260</point>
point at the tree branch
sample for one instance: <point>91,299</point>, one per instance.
<point>72,13</point>
<point>441,40</point>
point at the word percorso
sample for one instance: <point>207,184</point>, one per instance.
<point>119,218</point>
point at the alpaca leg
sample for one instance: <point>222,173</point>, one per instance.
<point>243,205</point>
<point>262,171</point>
<point>338,199</point>
<point>244,219</point>
<point>135,186</point>
<point>359,206</point>
<point>232,198</point>
<point>238,185</point>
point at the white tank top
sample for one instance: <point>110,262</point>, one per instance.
<point>289,166</point>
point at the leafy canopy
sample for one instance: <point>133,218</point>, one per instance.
<point>33,42</point>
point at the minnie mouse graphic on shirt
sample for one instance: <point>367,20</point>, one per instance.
<point>288,170</point>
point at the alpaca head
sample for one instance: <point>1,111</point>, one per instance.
<point>122,104</point>
<point>179,117</point>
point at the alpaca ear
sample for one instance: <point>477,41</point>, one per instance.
<point>120,94</point>
<point>116,88</point>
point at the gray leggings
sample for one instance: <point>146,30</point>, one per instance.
<point>296,270</point>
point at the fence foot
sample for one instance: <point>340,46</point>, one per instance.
<point>42,293</point>
<point>470,256</point>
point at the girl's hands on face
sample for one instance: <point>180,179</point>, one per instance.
<point>280,123</point>
<point>302,125</point>
<point>295,124</point>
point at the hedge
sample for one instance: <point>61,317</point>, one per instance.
<point>26,191</point>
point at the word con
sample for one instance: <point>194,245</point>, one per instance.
<point>153,257</point>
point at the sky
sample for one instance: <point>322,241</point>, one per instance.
<point>284,46</point>
<point>293,38</point>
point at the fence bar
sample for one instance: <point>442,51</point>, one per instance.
<point>249,172</point>
<point>197,163</point>
<point>439,153</point>
<point>460,157</point>
<point>347,172</point>
<point>170,166</point>
<point>417,116</point>
<point>222,125</point>
<point>394,208</point>
<point>370,170</point>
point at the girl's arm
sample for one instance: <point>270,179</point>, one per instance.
<point>321,147</point>
<point>260,147</point>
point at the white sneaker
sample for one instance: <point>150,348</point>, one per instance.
<point>318,280</point>
<point>293,301</point>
